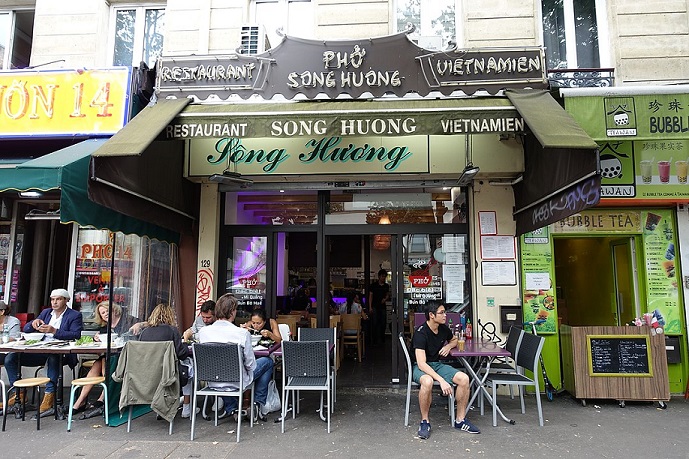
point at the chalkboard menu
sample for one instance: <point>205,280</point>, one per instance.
<point>619,355</point>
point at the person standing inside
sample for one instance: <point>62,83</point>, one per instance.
<point>206,317</point>
<point>379,293</point>
<point>58,323</point>
<point>430,342</point>
<point>260,370</point>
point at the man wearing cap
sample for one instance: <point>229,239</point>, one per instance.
<point>58,323</point>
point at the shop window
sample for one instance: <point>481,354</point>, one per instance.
<point>399,207</point>
<point>142,273</point>
<point>246,273</point>
<point>277,208</point>
<point>16,38</point>
<point>435,21</point>
<point>294,17</point>
<point>137,35</point>
<point>571,30</point>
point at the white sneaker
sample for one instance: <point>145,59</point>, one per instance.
<point>186,410</point>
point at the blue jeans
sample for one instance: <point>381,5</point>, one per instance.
<point>263,373</point>
<point>51,361</point>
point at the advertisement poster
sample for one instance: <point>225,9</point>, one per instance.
<point>661,277</point>
<point>538,295</point>
<point>645,169</point>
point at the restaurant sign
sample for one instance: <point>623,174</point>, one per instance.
<point>317,155</point>
<point>63,102</point>
<point>379,66</point>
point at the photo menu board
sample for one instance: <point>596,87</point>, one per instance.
<point>659,246</point>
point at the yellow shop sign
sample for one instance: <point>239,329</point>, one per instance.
<point>63,102</point>
<point>590,221</point>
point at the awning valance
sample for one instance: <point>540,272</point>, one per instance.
<point>561,166</point>
<point>67,170</point>
<point>149,186</point>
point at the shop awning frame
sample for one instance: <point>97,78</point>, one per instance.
<point>561,163</point>
<point>66,170</point>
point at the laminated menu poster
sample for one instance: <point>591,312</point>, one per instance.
<point>538,296</point>
<point>661,277</point>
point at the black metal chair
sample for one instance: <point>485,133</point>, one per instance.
<point>527,359</point>
<point>219,363</point>
<point>508,364</point>
<point>330,335</point>
<point>407,359</point>
<point>306,366</point>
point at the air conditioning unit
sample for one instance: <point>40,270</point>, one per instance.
<point>254,39</point>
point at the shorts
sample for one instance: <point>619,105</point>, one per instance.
<point>445,371</point>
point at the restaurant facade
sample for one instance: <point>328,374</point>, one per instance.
<point>321,162</point>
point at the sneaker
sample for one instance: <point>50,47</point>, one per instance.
<point>467,426</point>
<point>258,413</point>
<point>186,410</point>
<point>424,430</point>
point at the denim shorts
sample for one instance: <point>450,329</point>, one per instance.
<point>444,371</point>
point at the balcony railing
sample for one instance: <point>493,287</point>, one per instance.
<point>581,78</point>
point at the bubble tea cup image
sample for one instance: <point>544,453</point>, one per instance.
<point>664,171</point>
<point>646,171</point>
<point>681,168</point>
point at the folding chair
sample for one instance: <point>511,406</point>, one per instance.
<point>219,363</point>
<point>450,398</point>
<point>306,366</point>
<point>526,359</point>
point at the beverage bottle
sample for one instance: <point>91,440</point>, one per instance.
<point>5,333</point>
<point>469,330</point>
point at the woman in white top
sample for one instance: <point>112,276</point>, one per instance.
<point>13,325</point>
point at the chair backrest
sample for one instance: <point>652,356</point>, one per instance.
<point>148,356</point>
<point>306,359</point>
<point>405,349</point>
<point>420,318</point>
<point>218,362</point>
<point>351,322</point>
<point>317,334</point>
<point>285,332</point>
<point>335,321</point>
<point>513,339</point>
<point>529,350</point>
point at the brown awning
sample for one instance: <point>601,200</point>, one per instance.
<point>561,165</point>
<point>136,176</point>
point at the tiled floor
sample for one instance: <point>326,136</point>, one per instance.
<point>375,369</point>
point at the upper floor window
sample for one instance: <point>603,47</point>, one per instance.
<point>294,17</point>
<point>435,21</point>
<point>137,35</point>
<point>16,38</point>
<point>571,30</point>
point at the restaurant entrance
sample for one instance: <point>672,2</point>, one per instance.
<point>305,253</point>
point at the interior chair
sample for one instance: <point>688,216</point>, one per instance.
<point>291,320</point>
<point>219,363</point>
<point>324,334</point>
<point>20,385</point>
<point>352,334</point>
<point>306,366</point>
<point>410,382</point>
<point>527,359</point>
<point>145,353</point>
<point>80,383</point>
<point>336,322</point>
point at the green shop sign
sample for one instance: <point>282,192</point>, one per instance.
<point>639,117</point>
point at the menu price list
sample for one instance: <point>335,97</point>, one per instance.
<point>619,355</point>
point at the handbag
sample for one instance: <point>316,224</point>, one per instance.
<point>183,372</point>
<point>272,400</point>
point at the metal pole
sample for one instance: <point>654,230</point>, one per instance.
<point>110,298</point>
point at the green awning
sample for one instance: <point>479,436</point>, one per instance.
<point>549,122</point>
<point>67,170</point>
<point>561,167</point>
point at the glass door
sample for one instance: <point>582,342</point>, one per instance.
<point>625,287</point>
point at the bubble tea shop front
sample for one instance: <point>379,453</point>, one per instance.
<point>606,267</point>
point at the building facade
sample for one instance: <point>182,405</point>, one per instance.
<point>244,237</point>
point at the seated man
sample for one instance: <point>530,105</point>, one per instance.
<point>258,370</point>
<point>58,323</point>
<point>432,340</point>
<point>206,317</point>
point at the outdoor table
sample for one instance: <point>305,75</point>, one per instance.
<point>262,351</point>
<point>57,347</point>
<point>485,351</point>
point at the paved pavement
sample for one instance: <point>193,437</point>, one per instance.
<point>369,423</point>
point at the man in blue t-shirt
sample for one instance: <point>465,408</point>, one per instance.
<point>431,341</point>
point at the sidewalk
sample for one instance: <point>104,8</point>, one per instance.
<point>368,423</point>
